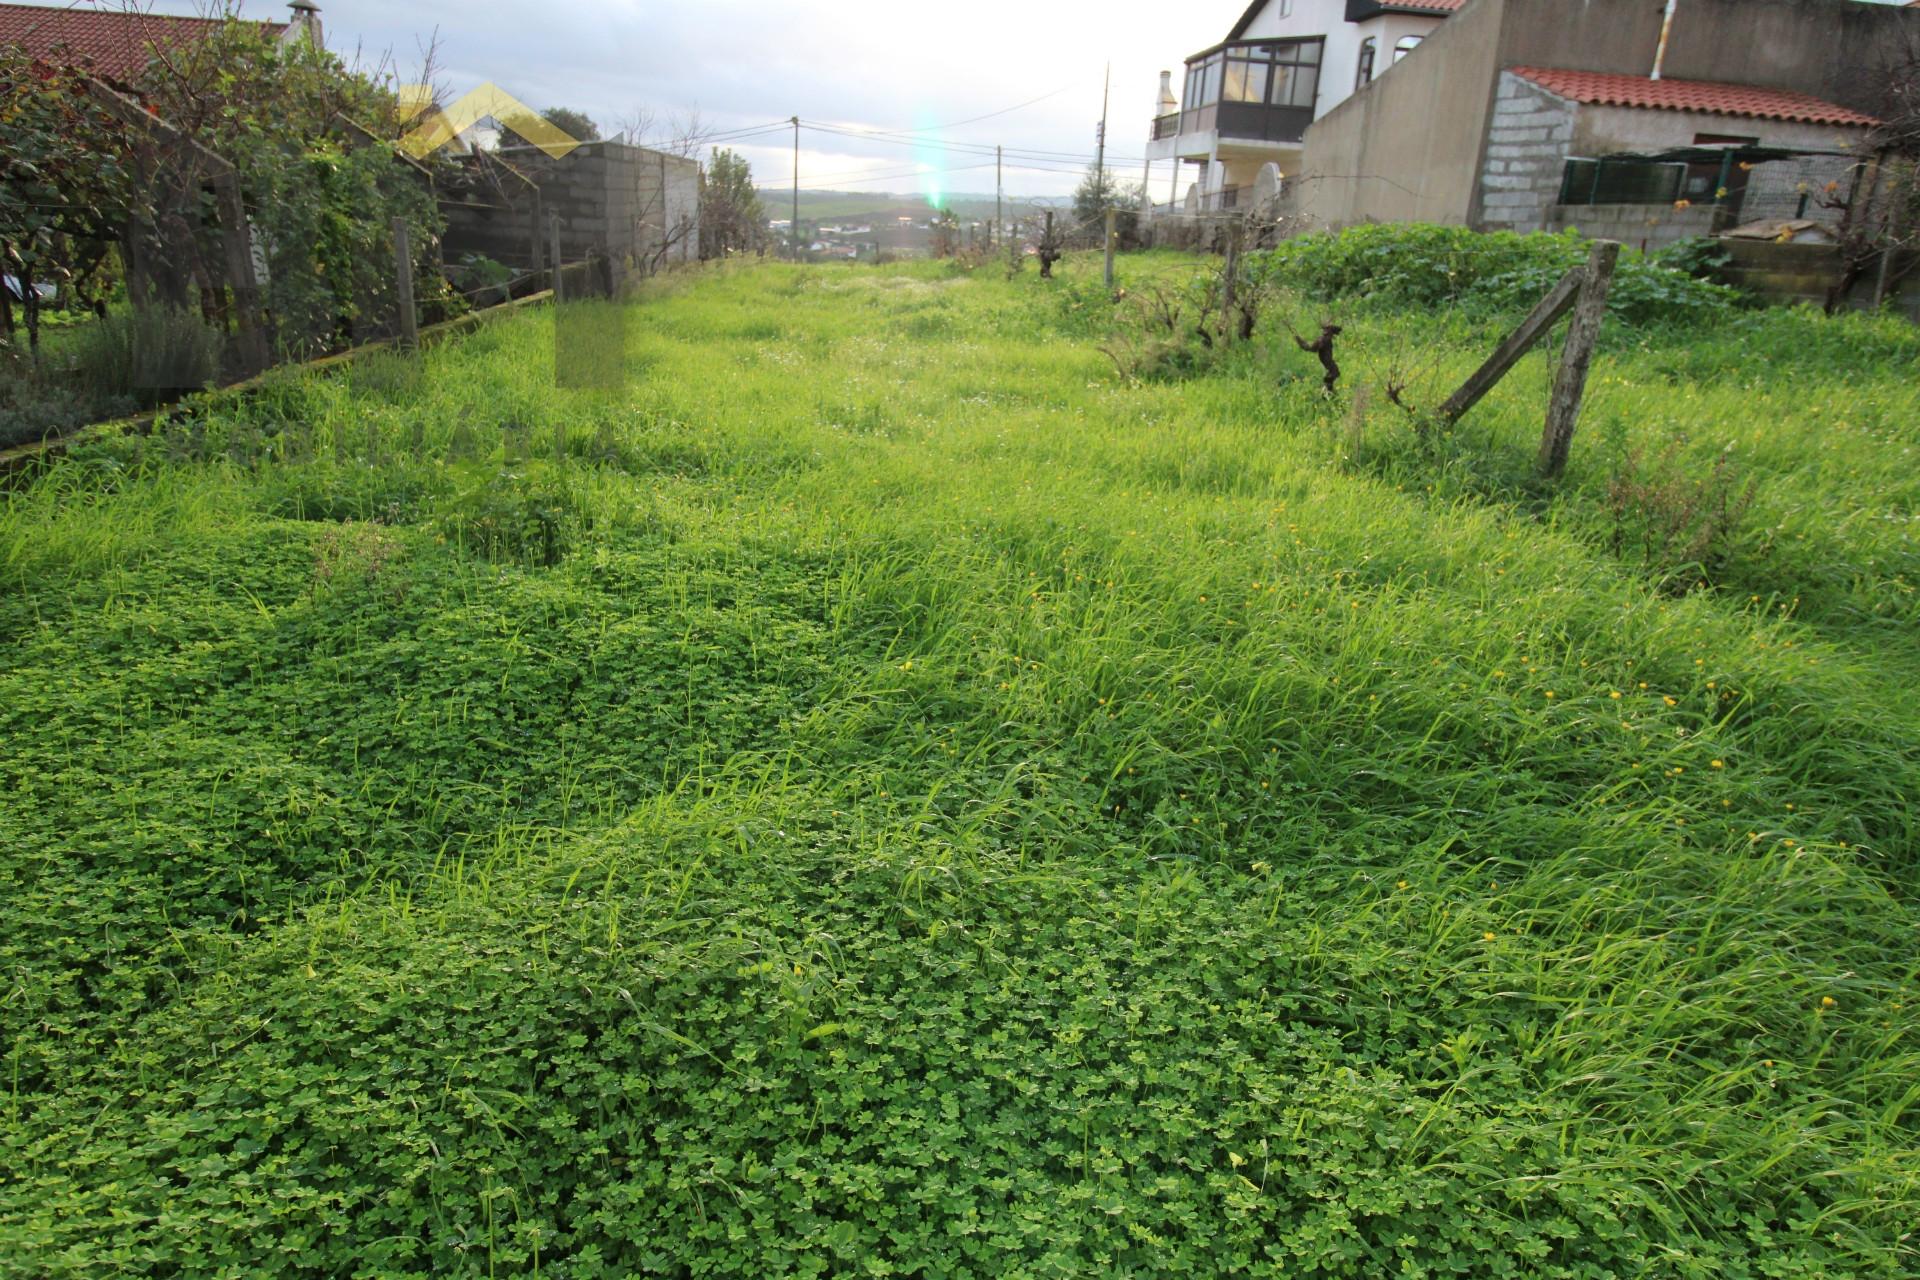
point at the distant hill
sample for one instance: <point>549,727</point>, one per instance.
<point>851,204</point>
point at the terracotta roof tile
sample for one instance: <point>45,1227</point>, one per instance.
<point>112,45</point>
<point>1603,89</point>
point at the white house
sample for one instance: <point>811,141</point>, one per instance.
<point>1246,102</point>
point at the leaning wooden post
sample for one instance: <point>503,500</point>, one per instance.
<point>553,251</point>
<point>1545,314</point>
<point>1112,215</point>
<point>1570,384</point>
<point>403,286</point>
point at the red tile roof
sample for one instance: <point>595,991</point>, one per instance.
<point>1441,6</point>
<point>1602,89</point>
<point>113,45</point>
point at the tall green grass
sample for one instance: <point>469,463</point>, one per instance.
<point>905,802</point>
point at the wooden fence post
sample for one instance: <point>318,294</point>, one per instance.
<point>537,221</point>
<point>1570,384</point>
<point>236,239</point>
<point>553,247</point>
<point>403,286</point>
<point>1545,314</point>
<point>1112,215</point>
<point>1230,286</point>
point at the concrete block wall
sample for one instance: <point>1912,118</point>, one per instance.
<point>614,201</point>
<point>1638,226</point>
<point>1527,140</point>
<point>1806,273</point>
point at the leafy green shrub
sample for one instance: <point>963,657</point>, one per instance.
<point>1698,256</point>
<point>31,409</point>
<point>481,278</point>
<point>1417,262</point>
<point>1436,266</point>
<point>528,515</point>
<point>148,357</point>
<point>1643,293</point>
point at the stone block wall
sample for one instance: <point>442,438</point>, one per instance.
<point>1527,141</point>
<point>1638,226</point>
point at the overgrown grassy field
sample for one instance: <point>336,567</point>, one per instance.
<point>884,795</point>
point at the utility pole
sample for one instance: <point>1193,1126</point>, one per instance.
<point>793,228</point>
<point>999,197</point>
<point>1100,153</point>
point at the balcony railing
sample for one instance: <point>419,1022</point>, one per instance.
<point>1263,124</point>
<point>1242,121</point>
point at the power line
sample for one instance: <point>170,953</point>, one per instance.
<point>990,115</point>
<point>973,148</point>
<point>885,173</point>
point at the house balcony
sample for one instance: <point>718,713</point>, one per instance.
<point>1228,127</point>
<point>1248,99</point>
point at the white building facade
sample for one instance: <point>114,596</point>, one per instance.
<point>1245,104</point>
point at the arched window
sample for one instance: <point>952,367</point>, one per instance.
<point>1406,46</point>
<point>1367,49</point>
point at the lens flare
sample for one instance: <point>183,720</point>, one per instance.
<point>929,159</point>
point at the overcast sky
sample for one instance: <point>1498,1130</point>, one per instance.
<point>856,64</point>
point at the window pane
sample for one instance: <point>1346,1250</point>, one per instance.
<point>1309,52</point>
<point>1306,82</point>
<point>1210,92</point>
<point>1246,82</point>
<point>1283,78</point>
<point>1406,46</point>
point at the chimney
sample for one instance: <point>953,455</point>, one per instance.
<point>1666,33</point>
<point>306,18</point>
<point>1168,103</point>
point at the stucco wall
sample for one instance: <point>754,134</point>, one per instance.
<point>1407,147</point>
<point>1827,48</point>
<point>1603,130</point>
<point>1410,146</point>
